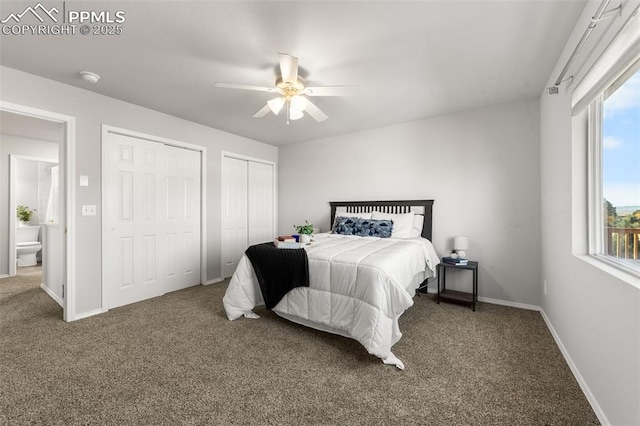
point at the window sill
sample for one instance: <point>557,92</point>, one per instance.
<point>615,268</point>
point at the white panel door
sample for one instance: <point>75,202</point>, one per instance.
<point>260,192</point>
<point>180,227</point>
<point>152,219</point>
<point>234,213</point>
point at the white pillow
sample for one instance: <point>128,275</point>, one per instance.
<point>363,215</point>
<point>402,223</point>
<point>418,223</point>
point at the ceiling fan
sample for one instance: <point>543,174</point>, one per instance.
<point>293,93</point>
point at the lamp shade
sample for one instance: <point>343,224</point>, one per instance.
<point>295,114</point>
<point>276,105</point>
<point>298,103</point>
<point>461,243</point>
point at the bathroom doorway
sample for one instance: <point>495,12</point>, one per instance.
<point>37,146</point>
<point>34,197</point>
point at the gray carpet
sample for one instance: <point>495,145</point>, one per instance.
<point>177,360</point>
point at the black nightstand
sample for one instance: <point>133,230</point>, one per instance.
<point>453,295</point>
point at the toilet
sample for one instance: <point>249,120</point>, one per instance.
<point>27,245</point>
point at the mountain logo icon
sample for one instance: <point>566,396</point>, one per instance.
<point>38,11</point>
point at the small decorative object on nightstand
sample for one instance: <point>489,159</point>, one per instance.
<point>453,295</point>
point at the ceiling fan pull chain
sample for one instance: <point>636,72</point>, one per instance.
<point>287,102</point>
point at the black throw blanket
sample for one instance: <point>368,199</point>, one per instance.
<point>278,270</point>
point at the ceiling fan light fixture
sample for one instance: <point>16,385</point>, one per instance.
<point>276,105</point>
<point>298,103</point>
<point>294,114</point>
<point>293,93</point>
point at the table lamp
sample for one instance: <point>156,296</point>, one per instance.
<point>460,244</point>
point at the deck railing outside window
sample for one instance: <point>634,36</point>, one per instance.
<point>623,243</point>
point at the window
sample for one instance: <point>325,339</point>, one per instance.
<point>614,120</point>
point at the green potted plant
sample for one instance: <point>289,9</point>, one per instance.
<point>305,231</point>
<point>24,214</point>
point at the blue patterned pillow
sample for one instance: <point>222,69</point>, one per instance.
<point>362,227</point>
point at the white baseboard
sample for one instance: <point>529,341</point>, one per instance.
<point>4,276</point>
<point>508,303</point>
<point>576,373</point>
<point>51,294</point>
<point>497,301</point>
<point>215,280</point>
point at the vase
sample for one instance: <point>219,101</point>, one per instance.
<point>304,238</point>
<point>23,223</point>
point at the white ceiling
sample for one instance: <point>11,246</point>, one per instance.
<point>412,60</point>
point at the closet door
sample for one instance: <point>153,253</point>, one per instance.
<point>131,243</point>
<point>248,208</point>
<point>181,222</point>
<point>234,213</point>
<point>261,191</point>
<point>151,239</point>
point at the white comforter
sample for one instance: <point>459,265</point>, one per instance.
<point>358,288</point>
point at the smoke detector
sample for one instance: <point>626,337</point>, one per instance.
<point>89,76</point>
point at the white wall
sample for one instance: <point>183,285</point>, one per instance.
<point>595,315</point>
<point>91,110</point>
<point>481,167</point>
<point>13,145</point>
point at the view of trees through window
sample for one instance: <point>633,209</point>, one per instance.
<point>621,169</point>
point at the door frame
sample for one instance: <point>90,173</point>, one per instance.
<point>106,130</point>
<point>67,162</point>
<point>228,154</point>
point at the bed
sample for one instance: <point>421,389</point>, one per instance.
<point>358,286</point>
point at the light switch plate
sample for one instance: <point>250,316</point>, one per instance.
<point>84,180</point>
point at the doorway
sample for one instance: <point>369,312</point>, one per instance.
<point>34,195</point>
<point>38,120</point>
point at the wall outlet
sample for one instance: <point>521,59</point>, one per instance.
<point>88,210</point>
<point>544,287</point>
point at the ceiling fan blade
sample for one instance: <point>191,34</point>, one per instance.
<point>245,87</point>
<point>332,91</point>
<point>315,112</point>
<point>289,68</point>
<point>264,111</point>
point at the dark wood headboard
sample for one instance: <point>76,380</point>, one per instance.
<point>424,207</point>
